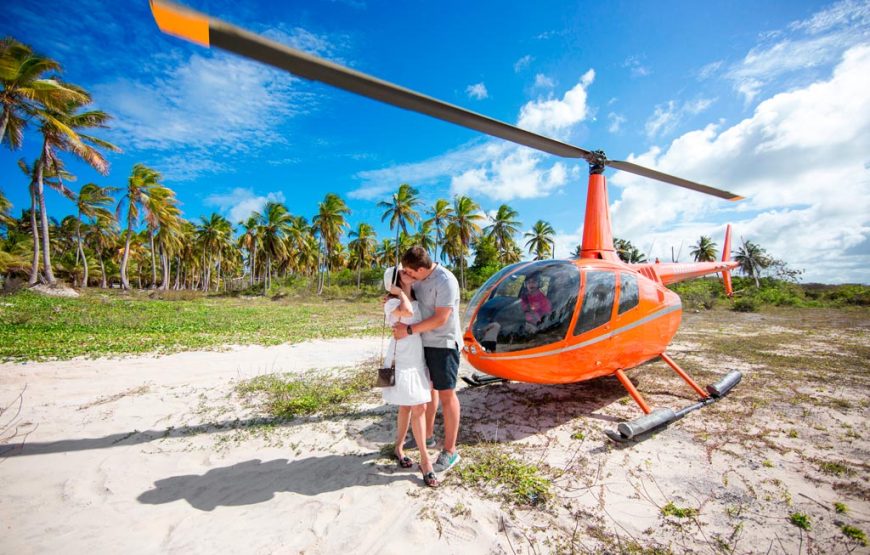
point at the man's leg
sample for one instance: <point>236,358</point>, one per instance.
<point>450,410</point>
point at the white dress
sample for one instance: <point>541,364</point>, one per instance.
<point>412,377</point>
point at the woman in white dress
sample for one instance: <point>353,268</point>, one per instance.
<point>412,390</point>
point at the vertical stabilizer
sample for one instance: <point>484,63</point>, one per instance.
<point>726,257</point>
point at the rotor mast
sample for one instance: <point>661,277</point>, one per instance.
<point>597,230</point>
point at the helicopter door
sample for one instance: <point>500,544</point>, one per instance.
<point>598,299</point>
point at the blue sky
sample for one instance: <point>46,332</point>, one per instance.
<point>768,100</point>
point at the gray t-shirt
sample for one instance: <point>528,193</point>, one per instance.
<point>438,290</point>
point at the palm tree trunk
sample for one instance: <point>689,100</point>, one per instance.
<point>125,283</point>
<point>43,216</point>
<point>4,123</point>
<point>319,266</point>
<point>81,251</point>
<point>153,259</point>
<point>268,273</point>
<point>103,284</point>
<point>358,274</point>
<point>253,262</point>
<point>34,267</point>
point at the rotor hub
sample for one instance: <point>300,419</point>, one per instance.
<point>597,162</point>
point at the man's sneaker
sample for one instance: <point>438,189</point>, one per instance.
<point>412,443</point>
<point>446,461</point>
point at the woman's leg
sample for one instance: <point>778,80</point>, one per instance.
<point>418,427</point>
<point>402,429</point>
<point>431,409</point>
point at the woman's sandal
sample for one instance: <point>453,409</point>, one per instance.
<point>430,479</point>
<point>404,462</point>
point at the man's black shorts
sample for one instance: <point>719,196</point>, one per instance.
<point>443,364</point>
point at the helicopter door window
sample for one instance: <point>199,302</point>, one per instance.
<point>597,301</point>
<point>628,296</point>
<point>531,307</point>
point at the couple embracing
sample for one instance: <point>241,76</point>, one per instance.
<point>423,309</point>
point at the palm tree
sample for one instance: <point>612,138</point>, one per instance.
<point>92,202</point>
<point>214,234</point>
<point>61,129</point>
<point>384,253</point>
<point>466,214</point>
<point>25,89</point>
<point>362,247</point>
<point>752,259</point>
<point>540,239</point>
<point>704,251</point>
<point>102,236</point>
<point>503,228</point>
<point>6,218</point>
<point>169,231</point>
<point>248,240</point>
<point>300,237</point>
<point>329,222</point>
<point>423,237</point>
<point>440,217</point>
<point>401,211</point>
<point>627,252</point>
<point>274,226</point>
<point>139,185</point>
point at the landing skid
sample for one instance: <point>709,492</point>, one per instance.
<point>631,431</point>
<point>477,379</point>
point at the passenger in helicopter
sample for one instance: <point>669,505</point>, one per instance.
<point>490,336</point>
<point>534,303</point>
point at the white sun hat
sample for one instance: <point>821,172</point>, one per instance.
<point>389,278</point>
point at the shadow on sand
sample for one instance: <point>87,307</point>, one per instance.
<point>498,412</point>
<point>255,481</point>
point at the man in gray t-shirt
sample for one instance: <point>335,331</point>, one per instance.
<point>437,293</point>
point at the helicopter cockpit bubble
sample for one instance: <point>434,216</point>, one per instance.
<point>530,306</point>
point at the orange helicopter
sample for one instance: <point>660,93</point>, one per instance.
<point>546,321</point>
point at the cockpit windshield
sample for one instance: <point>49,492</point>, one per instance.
<point>531,307</point>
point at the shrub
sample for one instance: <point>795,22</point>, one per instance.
<point>746,304</point>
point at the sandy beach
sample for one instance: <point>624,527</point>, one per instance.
<point>156,454</point>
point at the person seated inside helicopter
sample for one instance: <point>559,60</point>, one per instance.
<point>534,303</point>
<point>489,341</point>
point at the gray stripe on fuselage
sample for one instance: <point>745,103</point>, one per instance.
<point>653,316</point>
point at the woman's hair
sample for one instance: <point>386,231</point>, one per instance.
<point>398,281</point>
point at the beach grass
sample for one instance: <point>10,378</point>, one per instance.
<point>108,323</point>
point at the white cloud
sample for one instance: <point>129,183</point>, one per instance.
<point>477,91</point>
<point>801,160</point>
<point>552,116</point>
<point>523,63</point>
<point>635,67</point>
<point>239,203</point>
<point>616,121</point>
<point>813,43</point>
<point>497,169</point>
<point>544,82</point>
<point>666,117</point>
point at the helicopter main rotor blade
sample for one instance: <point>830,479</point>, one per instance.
<point>202,29</point>
<point>672,179</point>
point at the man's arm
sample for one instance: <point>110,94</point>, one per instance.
<point>442,314</point>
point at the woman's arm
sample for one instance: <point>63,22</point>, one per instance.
<point>404,309</point>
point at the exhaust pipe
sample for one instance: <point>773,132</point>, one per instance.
<point>726,384</point>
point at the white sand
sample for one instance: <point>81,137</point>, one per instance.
<point>128,456</point>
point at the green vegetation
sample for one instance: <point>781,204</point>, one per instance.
<point>855,534</point>
<point>679,512</point>
<point>708,293</point>
<point>834,468</point>
<point>800,520</point>
<point>841,508</point>
<point>288,396</point>
<point>35,327</point>
<point>518,482</point>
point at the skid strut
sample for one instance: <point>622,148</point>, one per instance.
<point>653,419</point>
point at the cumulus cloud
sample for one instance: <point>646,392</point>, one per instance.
<point>477,91</point>
<point>801,160</point>
<point>497,169</point>
<point>812,43</point>
<point>616,121</point>
<point>239,203</point>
